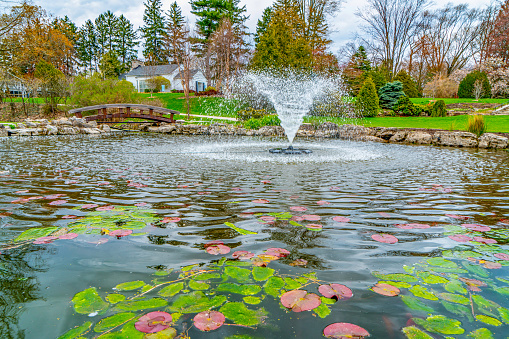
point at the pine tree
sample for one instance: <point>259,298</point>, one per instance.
<point>110,66</point>
<point>390,93</point>
<point>367,100</point>
<point>87,46</point>
<point>263,24</point>
<point>106,26</point>
<point>153,32</point>
<point>409,86</point>
<point>126,42</point>
<point>175,33</point>
<point>357,70</point>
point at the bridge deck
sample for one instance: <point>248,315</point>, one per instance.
<point>125,111</point>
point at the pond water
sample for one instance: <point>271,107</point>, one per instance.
<point>446,208</point>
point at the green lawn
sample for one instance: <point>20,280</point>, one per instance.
<point>199,105</point>
<point>424,101</point>
<point>496,123</point>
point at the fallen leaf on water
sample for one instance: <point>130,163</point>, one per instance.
<point>344,331</point>
<point>57,202</point>
<point>209,320</point>
<point>260,201</point>
<point>153,322</point>
<point>385,238</point>
<point>300,300</point>
<point>298,208</point>
<point>335,291</point>
<point>341,219</point>
<point>386,289</point>
<point>218,249</point>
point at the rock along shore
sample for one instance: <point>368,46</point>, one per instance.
<point>74,126</point>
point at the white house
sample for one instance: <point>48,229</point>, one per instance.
<point>139,75</point>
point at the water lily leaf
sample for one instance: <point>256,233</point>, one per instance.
<point>440,324</point>
<point>120,233</point>
<point>322,311</point>
<point>128,331</point>
<point>218,249</point>
<point>196,302</point>
<point>77,331</point>
<point>114,298</point>
<point>242,255</point>
<point>206,276</point>
<point>88,302</point>
<point>341,219</point>
<point>413,332</point>
<point>438,261</point>
<point>422,292</point>
<point>396,284</point>
<point>262,273</point>
<point>241,315</point>
<point>481,333</point>
<point>345,330</point>
<point>238,263</point>
<point>501,256</point>
<point>461,254</point>
<point>298,208</point>
<point>314,227</point>
<point>335,291</point>
<point>299,262</point>
<point>455,286</point>
<point>113,321</point>
<point>458,309</point>
<point>430,278</point>
<point>273,286</point>
<point>386,289</point>
<point>292,284</point>
<point>477,270</point>
<point>473,284</point>
<point>300,300</point>
<point>209,320</point>
<point>460,238</point>
<point>153,322</point>
<point>245,289</point>
<point>385,238</point>
<point>504,314</point>
<point>488,320</point>
<point>35,232</point>
<point>198,285</point>
<point>239,274</point>
<point>134,225</point>
<point>476,227</point>
<point>130,285</point>
<point>278,252</point>
<point>294,223</point>
<point>171,290</point>
<point>252,300</point>
<point>141,304</point>
<point>486,306</point>
<point>238,229</point>
<point>168,333</point>
<point>454,298</point>
<point>416,304</point>
<point>395,277</point>
<point>311,217</point>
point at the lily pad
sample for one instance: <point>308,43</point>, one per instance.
<point>481,333</point>
<point>114,298</point>
<point>440,324</point>
<point>476,227</point>
<point>344,331</point>
<point>198,285</point>
<point>416,304</point>
<point>218,249</point>
<point>89,302</point>
<point>335,291</point>
<point>278,252</point>
<point>422,292</point>
<point>171,290</point>
<point>454,298</point>
<point>262,273</point>
<point>300,300</point>
<point>314,227</point>
<point>460,238</point>
<point>438,261</point>
<point>273,286</point>
<point>196,302</point>
<point>341,219</point>
<point>311,217</point>
<point>241,315</point>
<point>35,232</point>
<point>395,276</point>
<point>129,286</point>
<point>238,229</point>
<point>141,304</point>
<point>386,289</point>
<point>245,289</point>
<point>239,274</point>
<point>488,320</point>
<point>501,256</point>
<point>209,320</point>
<point>77,331</point>
<point>242,255</point>
<point>413,332</point>
<point>385,238</point>
<point>113,321</point>
<point>153,322</point>
<point>120,233</point>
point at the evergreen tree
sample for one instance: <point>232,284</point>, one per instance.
<point>153,32</point>
<point>357,70</point>
<point>106,26</point>
<point>211,12</point>
<point>87,46</point>
<point>110,66</point>
<point>175,33</point>
<point>466,87</point>
<point>263,24</point>
<point>367,100</point>
<point>409,86</point>
<point>390,93</point>
<point>126,42</point>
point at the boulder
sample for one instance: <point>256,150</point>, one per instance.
<point>79,122</point>
<point>399,136</point>
<point>42,122</point>
<point>271,131</point>
<point>349,131</point>
<point>455,139</point>
<point>20,126</point>
<point>327,130</point>
<point>51,130</point>
<point>61,122</point>
<point>418,137</point>
<point>372,138</point>
<point>241,131</point>
<point>3,131</point>
<point>30,124</point>
<point>105,128</point>
<point>67,130</point>
<point>166,129</point>
<point>490,140</point>
<point>21,131</point>
<point>90,131</point>
<point>386,133</point>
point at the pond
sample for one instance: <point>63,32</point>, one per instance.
<point>97,233</point>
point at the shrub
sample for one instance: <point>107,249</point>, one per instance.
<point>476,125</point>
<point>390,93</point>
<point>441,87</point>
<point>439,109</point>
<point>207,92</point>
<point>210,88</point>
<point>409,86</point>
<point>156,84</point>
<point>405,107</point>
<point>467,85</point>
<point>367,100</point>
<point>251,113</point>
<point>148,90</point>
<point>89,91</point>
<point>268,120</point>
<point>182,91</point>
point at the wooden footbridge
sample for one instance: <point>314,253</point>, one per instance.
<point>107,115</point>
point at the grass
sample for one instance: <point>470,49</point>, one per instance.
<point>424,101</point>
<point>199,105</point>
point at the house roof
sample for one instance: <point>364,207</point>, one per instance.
<point>151,70</point>
<point>193,73</point>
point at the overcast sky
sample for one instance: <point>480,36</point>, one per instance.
<point>344,25</point>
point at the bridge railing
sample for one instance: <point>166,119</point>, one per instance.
<point>125,111</point>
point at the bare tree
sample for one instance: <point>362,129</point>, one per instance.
<point>391,25</point>
<point>485,29</point>
<point>478,91</point>
<point>186,61</point>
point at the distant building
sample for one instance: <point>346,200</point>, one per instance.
<point>139,75</point>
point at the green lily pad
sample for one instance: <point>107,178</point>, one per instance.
<point>504,314</point>
<point>134,225</point>
<point>461,254</point>
<point>455,286</point>
<point>273,286</point>
<point>195,302</point>
<point>439,261</point>
<point>114,298</point>
<point>422,292</point>
<point>430,278</point>
<point>412,332</point>
<point>322,310</point>
<point>440,324</point>
<point>35,232</point>
<point>239,274</point>
<point>458,309</point>
<point>396,284</point>
<point>241,315</point>
<point>130,285</point>
<point>77,331</point>
<point>502,290</point>
<point>252,300</point>
<point>416,304</point>
<point>292,284</point>
<point>488,320</point>
<point>486,306</point>
<point>395,277</point>
<point>477,270</point>
<point>245,289</point>
<point>88,302</point>
<point>481,333</point>
<point>454,298</point>
<point>262,273</point>
<point>207,276</point>
<point>238,229</point>
<point>171,290</point>
<point>198,285</point>
<point>144,304</point>
<point>113,321</point>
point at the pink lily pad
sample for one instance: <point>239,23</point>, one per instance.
<point>386,289</point>
<point>460,238</point>
<point>385,238</point>
<point>105,208</point>
<point>335,188</point>
<point>204,193</point>
<point>341,219</point>
<point>323,202</point>
<point>140,204</point>
<point>245,215</point>
<point>209,320</point>
<point>120,233</point>
<point>266,182</point>
<point>385,215</point>
<point>57,202</point>
<point>261,201</point>
<point>20,201</point>
<point>502,256</point>
<point>153,322</point>
<point>476,227</point>
<point>242,255</point>
<point>277,252</point>
<point>45,240</point>
<point>89,206</point>
<point>21,192</point>
<point>492,265</point>
<point>311,217</point>
<point>296,218</point>
<point>345,331</point>
<point>170,219</point>
<point>299,262</point>
<point>236,189</point>
<point>456,216</point>
<point>35,198</point>
<point>473,284</point>
<point>267,218</point>
<point>104,183</point>
<point>335,291</point>
<point>298,208</point>
<point>300,300</point>
<point>68,236</point>
<point>504,221</point>
<point>218,249</point>
<point>54,196</point>
<point>485,240</point>
<point>412,226</point>
<point>314,227</point>
<point>69,216</point>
